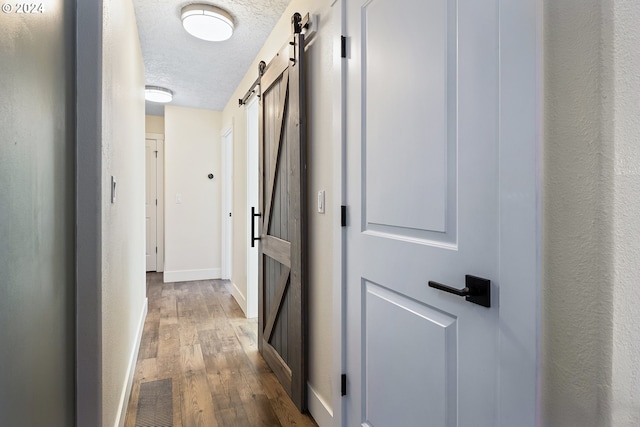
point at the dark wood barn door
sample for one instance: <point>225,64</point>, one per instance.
<point>282,260</point>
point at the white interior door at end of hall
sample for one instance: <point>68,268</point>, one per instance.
<point>422,194</point>
<point>151,196</point>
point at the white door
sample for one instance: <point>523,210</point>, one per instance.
<point>252,201</point>
<point>424,205</point>
<point>227,218</point>
<point>151,201</point>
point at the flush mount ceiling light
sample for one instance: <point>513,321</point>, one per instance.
<point>157,94</point>
<point>207,22</point>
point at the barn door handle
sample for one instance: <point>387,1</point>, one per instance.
<point>477,290</point>
<point>253,225</point>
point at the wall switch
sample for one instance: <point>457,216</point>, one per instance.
<point>321,201</point>
<point>113,189</point>
<point>178,199</point>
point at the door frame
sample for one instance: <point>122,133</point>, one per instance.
<point>339,97</point>
<point>160,195</point>
<point>252,200</point>
<point>227,203</point>
<point>520,179</point>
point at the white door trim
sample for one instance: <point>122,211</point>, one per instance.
<point>339,75</point>
<point>160,194</point>
<point>252,200</point>
<point>520,180</point>
<point>227,202</point>
<point>160,190</point>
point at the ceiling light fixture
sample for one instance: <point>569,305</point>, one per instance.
<point>207,22</point>
<point>157,94</point>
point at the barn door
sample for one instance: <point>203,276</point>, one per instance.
<point>282,261</point>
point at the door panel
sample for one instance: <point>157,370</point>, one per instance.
<point>282,245</point>
<point>385,354</point>
<point>422,190</point>
<point>420,134</point>
<point>151,207</point>
<point>423,134</point>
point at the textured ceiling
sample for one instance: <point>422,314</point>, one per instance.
<point>201,74</point>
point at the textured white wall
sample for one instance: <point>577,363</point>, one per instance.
<point>592,195</point>
<point>623,48</point>
<point>320,170</point>
<point>577,294</point>
<point>37,214</point>
<point>123,238</point>
<point>192,228</point>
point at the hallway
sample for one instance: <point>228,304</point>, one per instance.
<point>196,335</point>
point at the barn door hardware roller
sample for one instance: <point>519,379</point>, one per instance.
<point>477,290</point>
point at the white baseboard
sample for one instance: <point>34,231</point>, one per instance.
<point>126,390</point>
<point>189,275</point>
<point>319,408</point>
<point>239,297</point>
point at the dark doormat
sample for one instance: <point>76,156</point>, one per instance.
<point>155,404</point>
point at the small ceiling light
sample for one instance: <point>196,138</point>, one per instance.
<point>157,94</point>
<point>207,22</point>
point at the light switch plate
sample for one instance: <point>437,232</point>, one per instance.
<point>321,201</point>
<point>113,189</point>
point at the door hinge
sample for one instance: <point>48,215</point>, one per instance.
<point>156,202</point>
<point>343,385</point>
<point>343,47</point>
<point>156,153</point>
<point>156,249</point>
<point>343,215</point>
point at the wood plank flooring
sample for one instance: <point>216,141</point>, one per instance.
<point>196,335</point>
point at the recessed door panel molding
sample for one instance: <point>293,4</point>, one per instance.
<point>409,118</point>
<point>398,332</point>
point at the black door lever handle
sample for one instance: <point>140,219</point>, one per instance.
<point>460,292</point>
<point>477,290</point>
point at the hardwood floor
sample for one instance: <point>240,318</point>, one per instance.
<point>196,335</point>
